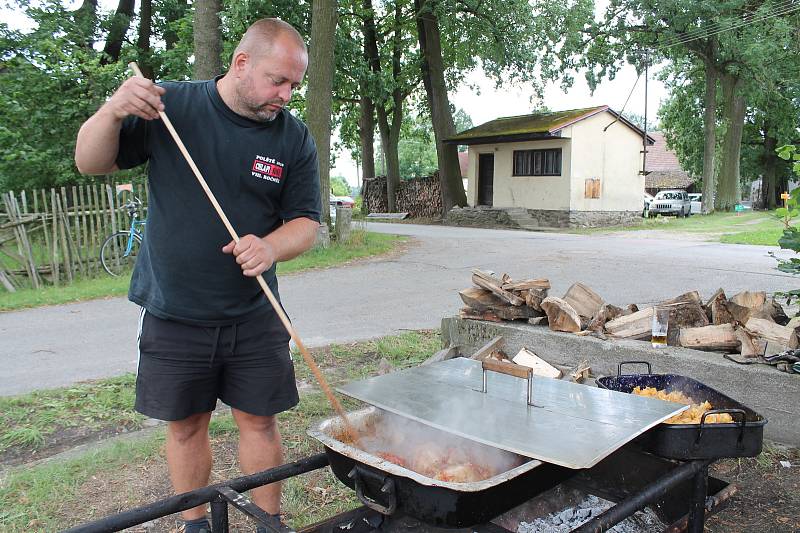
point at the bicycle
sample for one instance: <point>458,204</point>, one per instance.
<point>119,250</point>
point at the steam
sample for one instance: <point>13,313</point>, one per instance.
<point>425,449</point>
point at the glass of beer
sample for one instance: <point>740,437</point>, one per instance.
<point>660,326</point>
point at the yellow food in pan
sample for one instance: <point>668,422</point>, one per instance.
<point>690,416</point>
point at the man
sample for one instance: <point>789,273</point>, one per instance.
<point>206,329</point>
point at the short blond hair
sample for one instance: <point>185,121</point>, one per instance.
<point>257,41</point>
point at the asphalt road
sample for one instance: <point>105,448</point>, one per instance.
<point>58,345</point>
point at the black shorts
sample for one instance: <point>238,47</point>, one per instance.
<point>183,369</point>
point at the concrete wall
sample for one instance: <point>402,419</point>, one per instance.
<point>767,391</point>
<point>613,156</point>
<point>532,192</point>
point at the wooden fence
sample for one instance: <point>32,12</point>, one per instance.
<point>52,237</point>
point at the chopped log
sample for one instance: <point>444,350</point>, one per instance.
<point>684,315</point>
<point>771,310</point>
<point>720,337</point>
<point>498,355</point>
<point>560,315</point>
<point>716,310</point>
<point>512,312</point>
<point>630,309</point>
<point>580,372</point>
<point>606,313</point>
<point>490,283</point>
<point>719,292</point>
<point>534,297</point>
<point>740,313</point>
<point>638,325</point>
<point>485,350</point>
<point>539,283</point>
<point>769,330</point>
<point>584,300</point>
<point>538,321</point>
<point>747,348</point>
<point>480,299</point>
<point>539,366</point>
<point>687,297</point>
<point>753,300</point>
<point>469,313</point>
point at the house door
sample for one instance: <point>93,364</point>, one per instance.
<point>485,178</point>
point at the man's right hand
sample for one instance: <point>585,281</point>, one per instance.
<point>137,96</point>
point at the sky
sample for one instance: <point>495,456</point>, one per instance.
<point>489,102</point>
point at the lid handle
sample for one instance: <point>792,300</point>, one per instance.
<point>510,369</point>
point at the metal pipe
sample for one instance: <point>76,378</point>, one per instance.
<point>187,500</point>
<point>630,505</point>
<point>219,515</point>
<point>697,511</point>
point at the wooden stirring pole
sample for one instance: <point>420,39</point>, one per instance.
<point>271,297</point>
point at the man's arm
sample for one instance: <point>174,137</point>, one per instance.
<point>98,139</point>
<point>257,254</point>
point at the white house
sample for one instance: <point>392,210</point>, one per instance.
<point>580,167</point>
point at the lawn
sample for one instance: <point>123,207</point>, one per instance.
<point>362,245</point>
<point>750,227</point>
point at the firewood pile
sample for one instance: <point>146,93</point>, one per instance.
<point>743,323</point>
<point>419,197</point>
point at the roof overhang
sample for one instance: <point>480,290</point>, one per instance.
<point>497,139</point>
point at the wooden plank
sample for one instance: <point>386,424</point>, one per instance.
<point>65,252</point>
<point>538,366</point>
<point>54,262</point>
<point>486,281</point>
<point>46,231</point>
<point>6,282</point>
<point>484,351</point>
<point>522,285</point>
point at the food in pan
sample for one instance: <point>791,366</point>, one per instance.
<point>690,416</point>
<point>444,464</point>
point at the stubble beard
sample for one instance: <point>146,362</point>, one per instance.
<point>257,111</point>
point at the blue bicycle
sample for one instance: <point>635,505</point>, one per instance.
<point>119,251</point>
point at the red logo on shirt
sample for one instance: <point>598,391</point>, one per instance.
<point>267,168</point>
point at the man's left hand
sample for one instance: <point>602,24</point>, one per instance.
<point>254,254</point>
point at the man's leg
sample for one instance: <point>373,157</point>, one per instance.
<point>189,457</point>
<point>260,449</point>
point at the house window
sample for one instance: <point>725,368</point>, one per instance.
<point>537,162</point>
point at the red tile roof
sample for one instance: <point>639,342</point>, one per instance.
<point>659,157</point>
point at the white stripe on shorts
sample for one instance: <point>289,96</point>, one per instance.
<point>139,337</point>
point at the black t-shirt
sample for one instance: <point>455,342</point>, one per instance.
<point>262,174</point>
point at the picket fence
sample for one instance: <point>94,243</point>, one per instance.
<point>52,237</point>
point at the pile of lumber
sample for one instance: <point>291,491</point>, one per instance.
<point>744,323</point>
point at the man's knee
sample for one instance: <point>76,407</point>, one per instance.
<point>195,426</point>
<point>265,425</point>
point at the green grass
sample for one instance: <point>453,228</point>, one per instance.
<point>29,420</point>
<point>34,499</point>
<point>750,227</point>
<point>363,244</point>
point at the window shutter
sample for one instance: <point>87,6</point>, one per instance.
<point>592,188</point>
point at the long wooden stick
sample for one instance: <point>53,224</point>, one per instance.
<point>271,297</point>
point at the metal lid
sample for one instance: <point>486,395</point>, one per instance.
<point>568,424</point>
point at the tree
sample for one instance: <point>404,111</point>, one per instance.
<point>207,39</point>
<point>320,87</point>
<point>120,23</point>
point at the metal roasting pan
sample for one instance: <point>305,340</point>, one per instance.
<point>389,488</point>
<point>742,438</point>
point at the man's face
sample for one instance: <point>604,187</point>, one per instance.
<point>267,82</point>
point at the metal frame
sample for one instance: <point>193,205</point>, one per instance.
<point>221,495</point>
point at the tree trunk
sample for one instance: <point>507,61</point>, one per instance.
<point>116,33</point>
<point>320,90</point>
<point>366,131</point>
<point>172,13</point>
<point>710,132</point>
<point>390,139</point>
<point>143,40</point>
<point>439,104</point>
<point>768,182</point>
<point>728,186</point>
<point>207,39</point>
<point>86,20</point>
